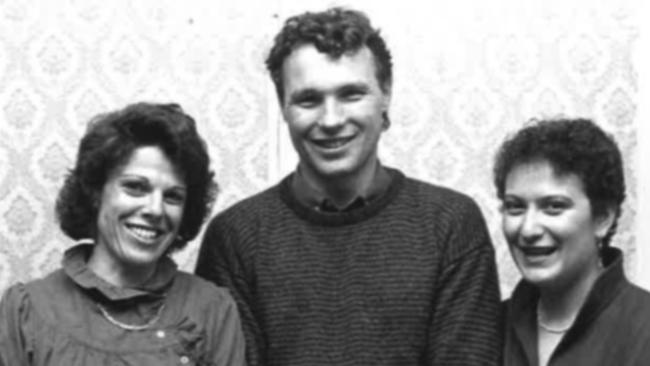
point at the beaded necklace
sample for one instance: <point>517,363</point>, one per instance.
<point>132,327</point>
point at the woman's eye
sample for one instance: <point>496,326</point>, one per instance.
<point>175,198</point>
<point>555,207</point>
<point>135,188</point>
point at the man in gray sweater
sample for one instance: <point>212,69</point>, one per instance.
<point>346,261</point>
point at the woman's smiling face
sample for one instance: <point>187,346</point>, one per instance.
<point>141,210</point>
<point>549,225</point>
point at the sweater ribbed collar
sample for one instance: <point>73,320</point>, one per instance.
<point>309,212</point>
<point>308,194</point>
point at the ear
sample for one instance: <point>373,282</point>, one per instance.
<point>387,93</point>
<point>284,111</point>
<point>603,222</point>
<point>95,199</point>
<point>385,105</point>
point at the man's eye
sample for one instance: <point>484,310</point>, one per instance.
<point>512,208</point>
<point>352,95</point>
<point>307,101</point>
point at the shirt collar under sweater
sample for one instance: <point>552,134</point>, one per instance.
<point>307,211</point>
<point>523,304</point>
<point>310,196</point>
<point>75,265</point>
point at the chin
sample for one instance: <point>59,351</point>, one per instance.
<point>335,169</point>
<point>144,258</point>
<point>540,277</point>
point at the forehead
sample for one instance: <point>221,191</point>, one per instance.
<point>306,67</point>
<point>151,162</point>
<point>540,177</point>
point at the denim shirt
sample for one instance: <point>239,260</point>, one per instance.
<point>73,317</point>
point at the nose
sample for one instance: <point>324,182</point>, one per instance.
<point>153,206</point>
<point>531,228</point>
<point>332,115</point>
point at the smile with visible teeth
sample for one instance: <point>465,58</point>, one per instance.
<point>535,251</point>
<point>143,232</point>
<point>332,143</point>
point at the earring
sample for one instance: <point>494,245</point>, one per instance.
<point>386,122</point>
<point>599,244</point>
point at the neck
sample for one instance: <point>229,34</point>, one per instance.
<point>342,189</point>
<point>558,306</point>
<point>118,274</point>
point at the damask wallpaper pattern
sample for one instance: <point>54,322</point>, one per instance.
<point>465,77</point>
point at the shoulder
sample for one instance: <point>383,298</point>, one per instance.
<point>250,204</point>
<point>210,304</point>
<point>202,292</point>
<point>247,212</point>
<point>439,198</point>
<point>31,301</point>
<point>637,301</point>
<point>14,298</point>
<point>447,208</point>
<point>46,289</point>
<point>627,321</point>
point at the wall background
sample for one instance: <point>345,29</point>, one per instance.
<point>466,75</point>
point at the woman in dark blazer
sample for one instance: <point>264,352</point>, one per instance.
<point>561,185</point>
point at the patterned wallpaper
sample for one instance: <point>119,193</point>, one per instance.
<point>466,75</point>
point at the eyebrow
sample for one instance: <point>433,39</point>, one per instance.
<point>307,92</point>
<point>355,86</point>
<point>303,93</point>
<point>545,197</point>
<point>127,176</point>
<point>179,188</point>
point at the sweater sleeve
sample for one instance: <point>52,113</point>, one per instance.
<point>14,311</point>
<point>221,261</point>
<point>465,324</point>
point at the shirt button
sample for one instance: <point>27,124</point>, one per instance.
<point>160,334</point>
<point>185,359</point>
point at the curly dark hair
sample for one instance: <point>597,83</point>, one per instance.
<point>334,31</point>
<point>109,142</point>
<point>570,146</point>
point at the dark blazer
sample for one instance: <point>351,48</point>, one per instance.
<point>612,328</point>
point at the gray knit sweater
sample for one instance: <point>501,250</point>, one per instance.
<point>409,279</point>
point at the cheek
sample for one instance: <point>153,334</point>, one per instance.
<point>570,229</point>
<point>368,111</point>
<point>509,225</point>
<point>299,118</point>
<point>298,129</point>
<point>106,223</point>
<point>581,238</point>
<point>175,215</point>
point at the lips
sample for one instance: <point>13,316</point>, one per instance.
<point>144,233</point>
<point>332,143</point>
<point>537,251</point>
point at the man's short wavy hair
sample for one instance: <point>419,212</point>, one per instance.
<point>335,31</point>
<point>109,142</point>
<point>570,146</point>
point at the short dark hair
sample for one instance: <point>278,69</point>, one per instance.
<point>570,146</point>
<point>109,141</point>
<point>334,31</point>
